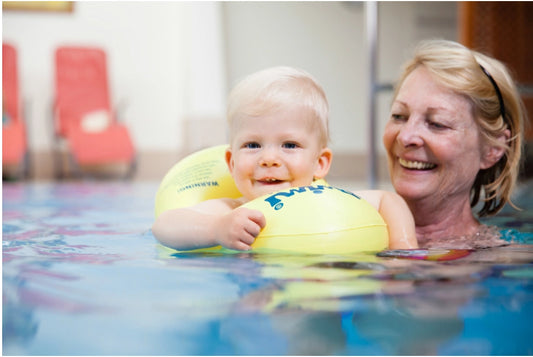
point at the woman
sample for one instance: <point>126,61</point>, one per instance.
<point>454,139</point>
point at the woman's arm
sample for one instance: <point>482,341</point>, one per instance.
<point>396,214</point>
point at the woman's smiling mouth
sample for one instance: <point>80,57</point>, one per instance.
<point>416,165</point>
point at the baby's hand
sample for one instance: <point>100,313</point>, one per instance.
<point>238,229</point>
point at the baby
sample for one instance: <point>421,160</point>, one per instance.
<point>278,133</point>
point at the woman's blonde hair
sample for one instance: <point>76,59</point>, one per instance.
<point>277,87</point>
<point>479,78</point>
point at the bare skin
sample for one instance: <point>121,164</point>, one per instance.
<point>435,152</point>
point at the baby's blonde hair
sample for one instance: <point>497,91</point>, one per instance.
<point>274,88</point>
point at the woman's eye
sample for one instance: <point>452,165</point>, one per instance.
<point>398,117</point>
<point>437,125</point>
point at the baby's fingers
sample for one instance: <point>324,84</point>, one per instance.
<point>240,246</point>
<point>241,240</point>
<point>252,230</point>
<point>245,224</point>
<point>258,217</point>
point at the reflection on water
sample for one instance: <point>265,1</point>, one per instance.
<point>82,274</point>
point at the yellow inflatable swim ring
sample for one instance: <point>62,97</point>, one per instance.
<point>315,219</point>
<point>200,176</point>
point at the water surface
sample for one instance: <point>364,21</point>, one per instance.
<point>83,275</point>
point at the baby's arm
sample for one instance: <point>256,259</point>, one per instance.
<point>209,223</point>
<point>396,214</point>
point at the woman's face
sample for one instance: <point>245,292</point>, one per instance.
<point>432,141</point>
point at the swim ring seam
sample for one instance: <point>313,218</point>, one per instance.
<point>327,232</point>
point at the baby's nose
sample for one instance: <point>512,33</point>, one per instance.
<point>269,157</point>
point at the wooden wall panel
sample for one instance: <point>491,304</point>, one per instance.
<point>505,31</point>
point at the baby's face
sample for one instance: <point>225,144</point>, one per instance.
<point>275,151</point>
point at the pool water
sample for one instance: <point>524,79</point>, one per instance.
<point>83,275</point>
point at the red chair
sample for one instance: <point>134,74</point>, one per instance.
<point>83,115</point>
<point>15,155</point>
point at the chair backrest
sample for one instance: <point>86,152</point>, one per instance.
<point>10,86</point>
<point>81,85</point>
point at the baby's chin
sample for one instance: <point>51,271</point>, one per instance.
<point>267,190</point>
<point>262,189</point>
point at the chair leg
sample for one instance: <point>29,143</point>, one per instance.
<point>58,164</point>
<point>131,170</point>
<point>27,166</point>
<point>75,169</point>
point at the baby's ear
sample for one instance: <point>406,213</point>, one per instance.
<point>492,153</point>
<point>324,163</point>
<point>229,160</point>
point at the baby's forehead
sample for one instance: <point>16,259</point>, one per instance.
<point>284,122</point>
<point>271,110</point>
<point>262,108</point>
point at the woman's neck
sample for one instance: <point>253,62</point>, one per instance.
<point>446,220</point>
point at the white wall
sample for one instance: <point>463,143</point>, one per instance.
<point>165,63</point>
<point>323,38</point>
<point>401,26</point>
<point>171,62</point>
<point>328,39</point>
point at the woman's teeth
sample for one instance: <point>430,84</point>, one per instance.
<point>416,165</point>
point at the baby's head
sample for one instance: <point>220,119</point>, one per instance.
<point>278,88</point>
<point>278,131</point>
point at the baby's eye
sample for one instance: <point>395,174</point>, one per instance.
<point>251,145</point>
<point>290,145</point>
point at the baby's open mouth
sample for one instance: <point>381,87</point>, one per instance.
<point>269,181</point>
<point>416,165</point>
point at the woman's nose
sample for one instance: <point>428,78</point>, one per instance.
<point>410,134</point>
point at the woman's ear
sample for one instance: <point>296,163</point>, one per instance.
<point>229,161</point>
<point>324,163</point>
<point>493,153</point>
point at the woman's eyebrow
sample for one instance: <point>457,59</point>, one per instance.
<point>439,109</point>
<point>431,109</point>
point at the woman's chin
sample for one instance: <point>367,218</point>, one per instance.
<point>411,191</point>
